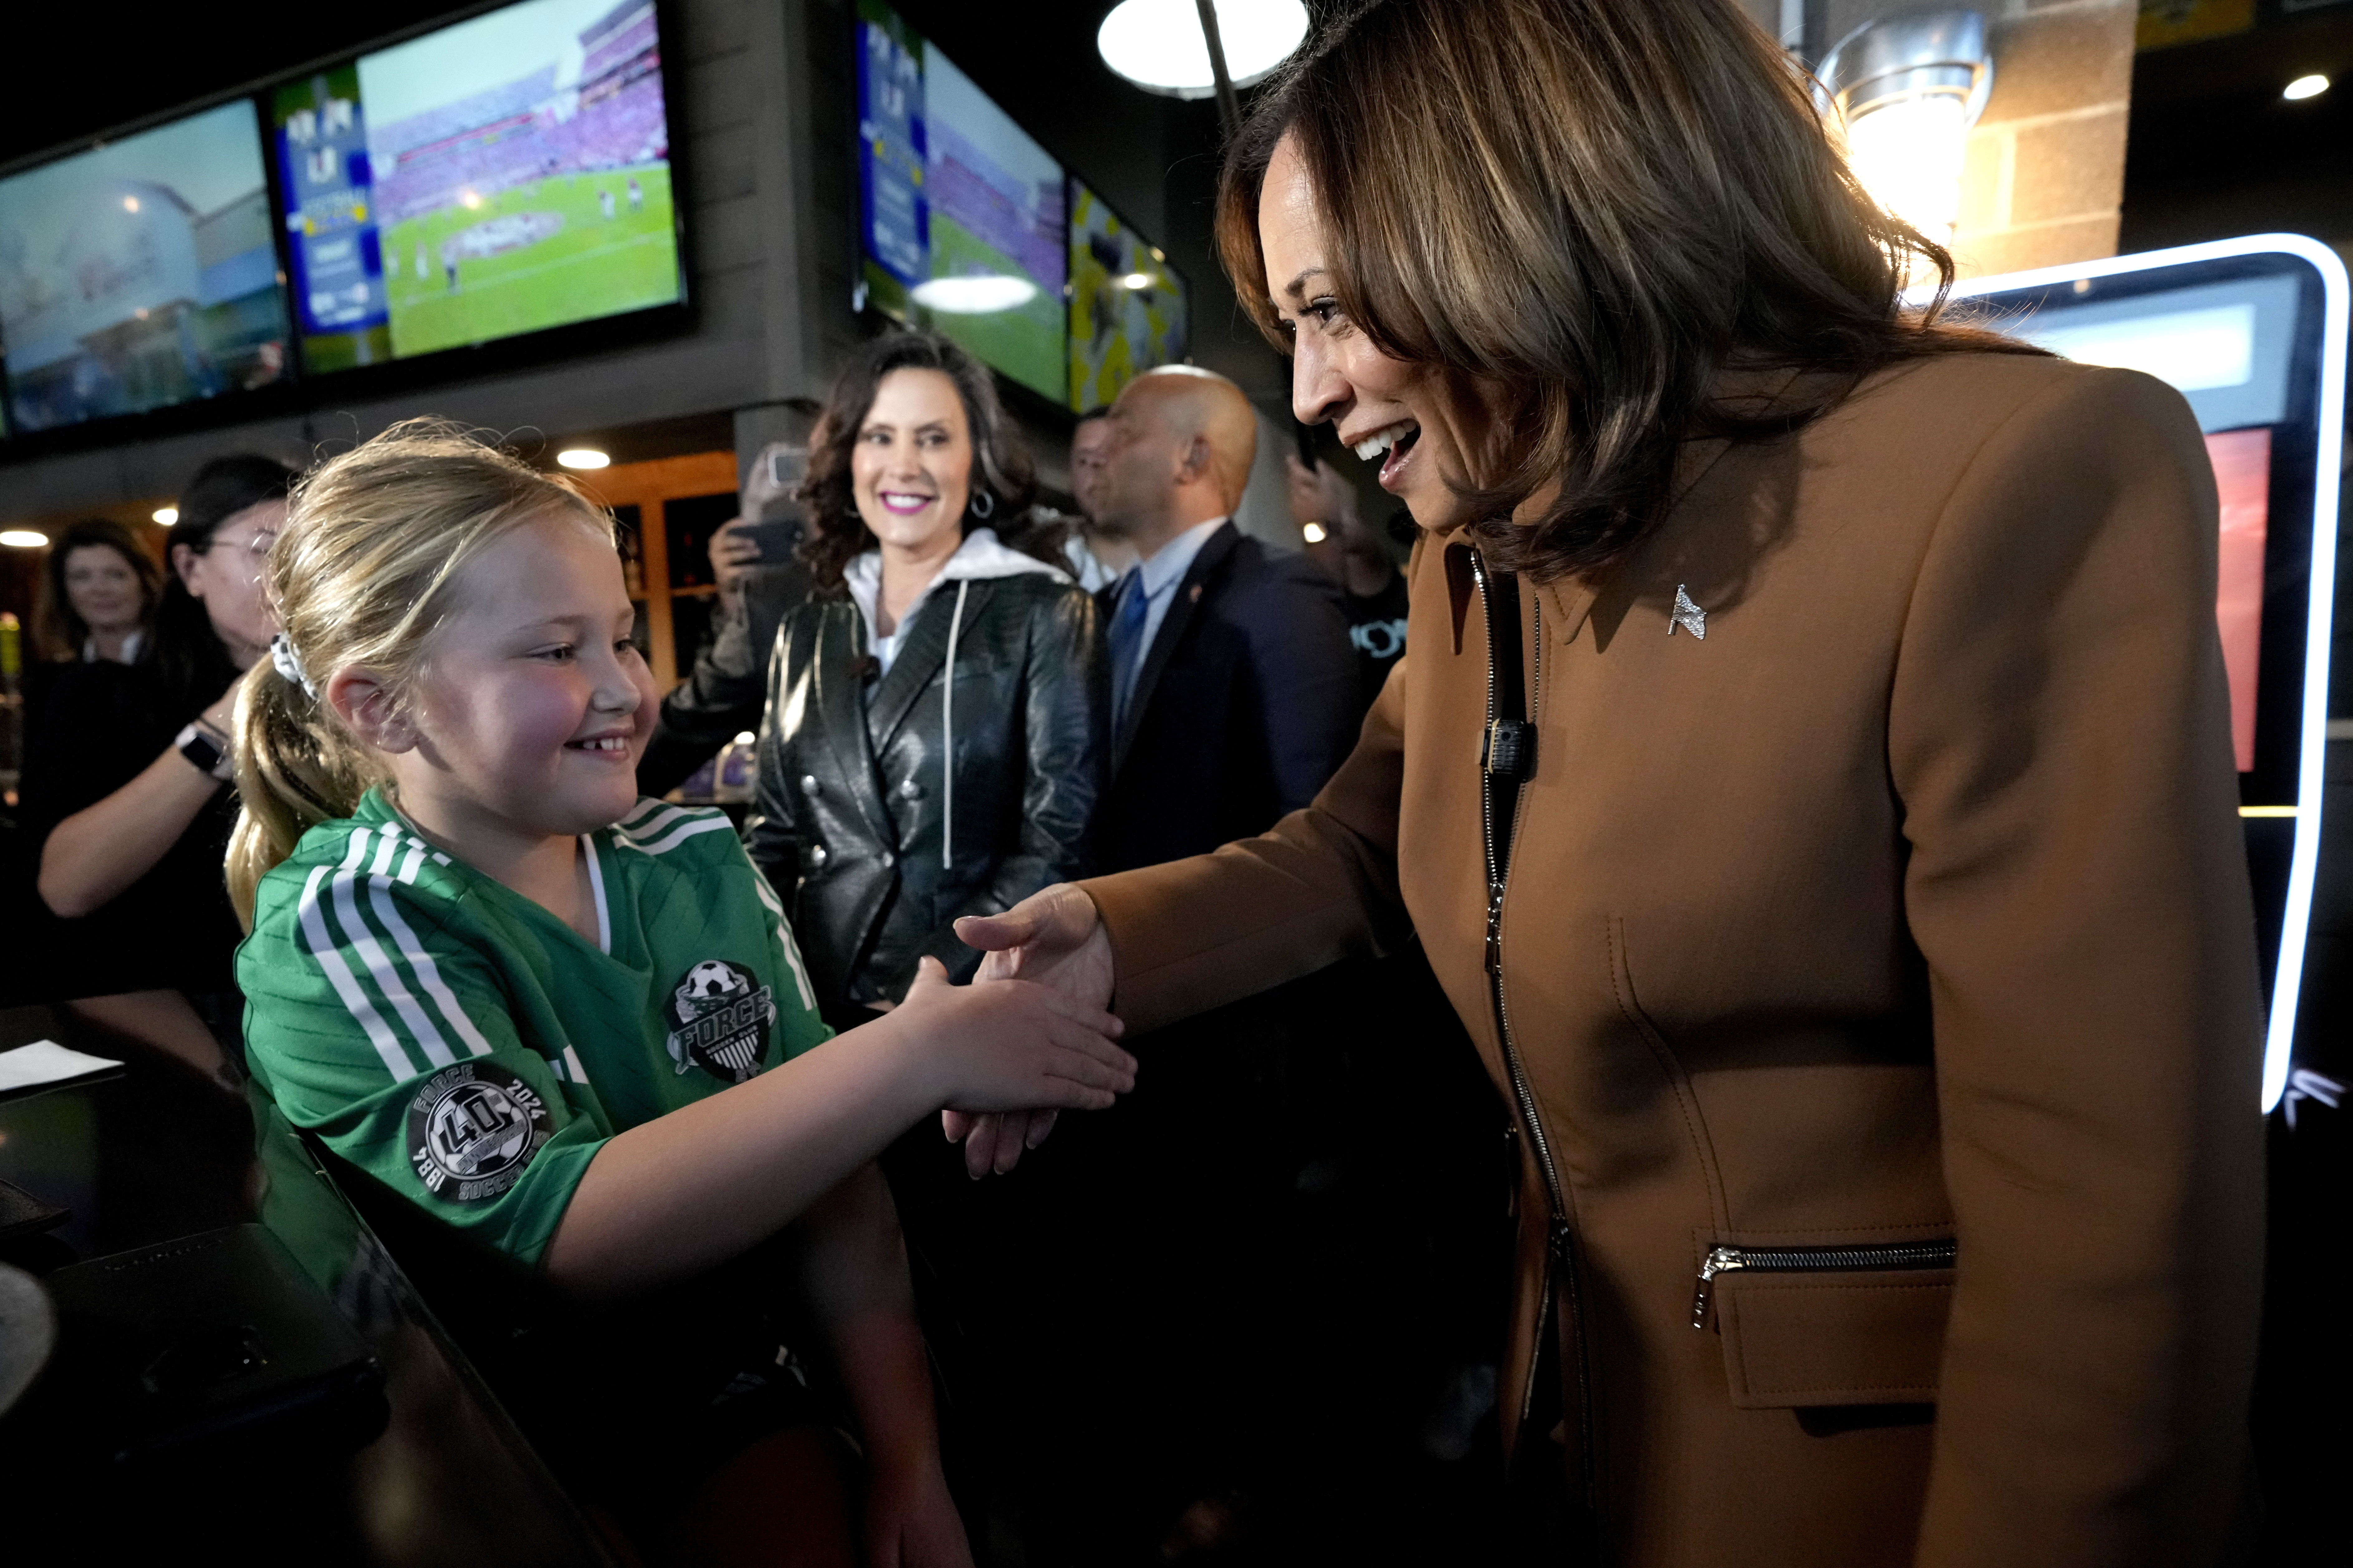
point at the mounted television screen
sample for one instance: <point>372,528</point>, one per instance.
<point>2252,333</point>
<point>497,177</point>
<point>1128,310</point>
<point>141,274</point>
<point>960,212</point>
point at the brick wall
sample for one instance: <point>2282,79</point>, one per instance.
<point>2045,177</point>
<point>2044,174</point>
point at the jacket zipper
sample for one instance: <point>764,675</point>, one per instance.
<point>1560,1239</point>
<point>1893,1254</point>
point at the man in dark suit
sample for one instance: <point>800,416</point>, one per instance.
<point>1233,683</point>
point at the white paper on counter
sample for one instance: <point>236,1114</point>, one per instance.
<point>45,1061</point>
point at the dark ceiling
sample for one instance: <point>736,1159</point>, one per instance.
<point>2214,150</point>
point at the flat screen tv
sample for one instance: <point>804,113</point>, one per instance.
<point>960,212</point>
<point>1128,306</point>
<point>500,176</point>
<point>141,274</point>
<point>2252,333</point>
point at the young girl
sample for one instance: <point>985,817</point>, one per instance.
<point>567,1024</point>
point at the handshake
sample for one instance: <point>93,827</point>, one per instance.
<point>1058,944</point>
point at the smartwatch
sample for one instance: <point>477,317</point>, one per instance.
<point>204,752</point>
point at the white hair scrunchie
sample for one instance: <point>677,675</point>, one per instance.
<point>290,664</point>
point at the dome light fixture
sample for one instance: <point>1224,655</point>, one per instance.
<point>584,458</point>
<point>1905,89</point>
<point>2305,87</point>
<point>167,515</point>
<point>978,294</point>
<point>1160,47</point>
<point>23,538</point>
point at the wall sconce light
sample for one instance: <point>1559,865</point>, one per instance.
<point>1905,89</point>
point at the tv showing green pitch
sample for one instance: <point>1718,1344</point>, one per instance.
<point>501,176</point>
<point>961,210</point>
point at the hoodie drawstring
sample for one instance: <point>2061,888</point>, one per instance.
<point>947,736</point>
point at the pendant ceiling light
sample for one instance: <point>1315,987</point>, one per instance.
<point>1159,44</point>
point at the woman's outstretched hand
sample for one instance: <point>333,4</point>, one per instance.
<point>1051,938</point>
<point>1012,1045</point>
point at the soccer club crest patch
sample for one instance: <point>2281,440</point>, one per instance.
<point>473,1128</point>
<point>719,1017</point>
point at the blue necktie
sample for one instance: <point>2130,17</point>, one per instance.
<point>1130,603</point>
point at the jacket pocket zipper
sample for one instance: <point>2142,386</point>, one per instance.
<point>1889,1256</point>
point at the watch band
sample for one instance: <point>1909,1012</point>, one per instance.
<point>204,753</point>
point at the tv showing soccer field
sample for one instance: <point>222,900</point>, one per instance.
<point>1127,304</point>
<point>961,211</point>
<point>141,274</point>
<point>501,176</point>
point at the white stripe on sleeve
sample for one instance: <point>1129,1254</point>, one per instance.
<point>792,962</point>
<point>686,830</point>
<point>655,822</point>
<point>767,895</point>
<point>428,973</point>
<point>346,983</point>
<point>362,941</point>
<point>572,1067</point>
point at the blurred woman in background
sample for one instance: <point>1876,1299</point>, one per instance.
<point>933,746</point>
<point>125,789</point>
<point>100,592</point>
<point>873,840</point>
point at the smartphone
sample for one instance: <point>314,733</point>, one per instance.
<point>787,467</point>
<point>775,539</point>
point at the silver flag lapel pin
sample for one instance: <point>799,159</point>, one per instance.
<point>1686,615</point>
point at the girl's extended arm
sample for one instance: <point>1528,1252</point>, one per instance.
<point>702,1183</point>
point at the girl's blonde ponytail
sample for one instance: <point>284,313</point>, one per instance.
<point>361,576</point>
<point>295,768</point>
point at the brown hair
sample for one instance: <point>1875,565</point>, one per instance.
<point>59,631</point>
<point>1592,205</point>
<point>1000,464</point>
<point>364,572</point>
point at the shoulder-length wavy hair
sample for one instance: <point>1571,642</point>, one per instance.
<point>1594,206</point>
<point>58,629</point>
<point>1003,482</point>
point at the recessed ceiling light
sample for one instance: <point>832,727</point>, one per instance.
<point>2304,87</point>
<point>167,515</point>
<point>23,539</point>
<point>1159,47</point>
<point>584,458</point>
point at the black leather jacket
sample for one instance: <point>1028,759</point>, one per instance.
<point>849,824</point>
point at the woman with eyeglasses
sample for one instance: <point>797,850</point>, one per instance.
<point>125,785</point>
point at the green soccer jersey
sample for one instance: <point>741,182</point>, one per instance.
<point>470,1050</point>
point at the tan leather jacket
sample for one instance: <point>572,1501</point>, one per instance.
<point>1907,907</point>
